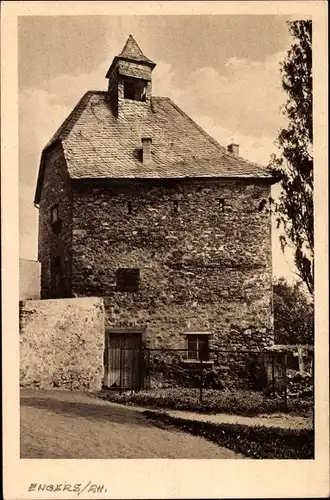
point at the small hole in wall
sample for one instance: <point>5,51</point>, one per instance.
<point>176,206</point>
<point>221,204</point>
<point>127,280</point>
<point>262,205</point>
<point>129,207</point>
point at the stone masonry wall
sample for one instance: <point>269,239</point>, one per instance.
<point>127,108</point>
<point>62,343</point>
<point>204,254</point>
<point>55,241</point>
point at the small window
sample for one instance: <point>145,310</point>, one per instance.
<point>198,348</point>
<point>176,206</point>
<point>221,204</point>
<point>262,205</point>
<point>129,90</point>
<point>55,216</point>
<point>127,280</point>
<point>135,89</point>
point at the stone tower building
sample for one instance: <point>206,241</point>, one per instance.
<point>137,204</point>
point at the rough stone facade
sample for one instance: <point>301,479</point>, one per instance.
<point>62,343</point>
<point>205,262</point>
<point>193,219</point>
<point>125,108</point>
<point>55,240</point>
<point>200,257</point>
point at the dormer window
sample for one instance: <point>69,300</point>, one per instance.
<point>135,89</point>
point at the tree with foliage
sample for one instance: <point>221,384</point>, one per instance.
<point>295,165</point>
<point>293,313</point>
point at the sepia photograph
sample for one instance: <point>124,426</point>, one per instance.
<point>166,218</point>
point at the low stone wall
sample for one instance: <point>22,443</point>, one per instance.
<point>62,343</point>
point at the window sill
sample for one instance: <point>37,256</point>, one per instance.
<point>197,333</point>
<point>197,362</point>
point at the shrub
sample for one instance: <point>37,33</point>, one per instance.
<point>293,314</point>
<point>251,441</point>
<point>237,402</point>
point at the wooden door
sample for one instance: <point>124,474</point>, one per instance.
<point>123,360</point>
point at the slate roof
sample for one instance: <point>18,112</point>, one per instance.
<point>131,52</point>
<point>97,145</point>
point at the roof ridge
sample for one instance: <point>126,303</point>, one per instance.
<point>213,141</point>
<point>62,132</point>
<point>199,128</point>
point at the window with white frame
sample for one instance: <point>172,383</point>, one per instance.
<point>198,347</point>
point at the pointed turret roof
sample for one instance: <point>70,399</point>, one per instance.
<point>131,52</point>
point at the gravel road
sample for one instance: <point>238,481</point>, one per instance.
<point>71,425</point>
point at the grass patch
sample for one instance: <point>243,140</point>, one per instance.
<point>251,441</point>
<point>235,402</point>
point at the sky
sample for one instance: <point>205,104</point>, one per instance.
<point>223,70</point>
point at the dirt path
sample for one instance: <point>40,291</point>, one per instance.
<point>56,424</point>
<point>282,420</point>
